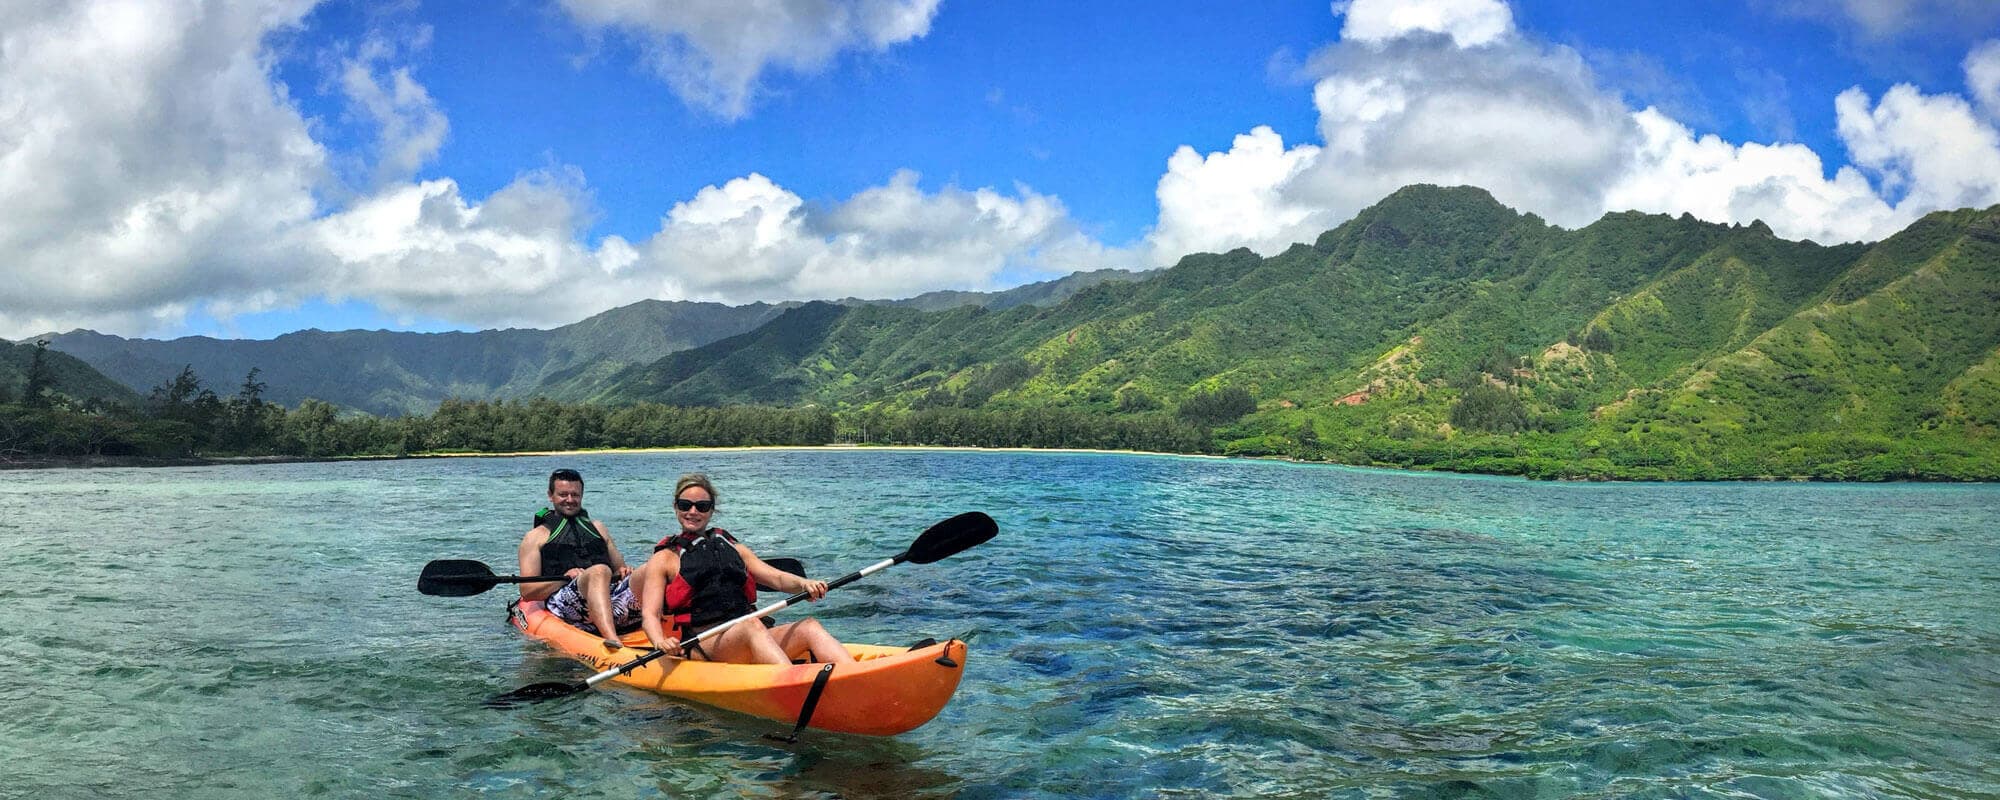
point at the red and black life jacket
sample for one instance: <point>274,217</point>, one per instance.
<point>573,542</point>
<point>714,585</point>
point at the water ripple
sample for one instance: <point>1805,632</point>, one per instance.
<point>1144,627</point>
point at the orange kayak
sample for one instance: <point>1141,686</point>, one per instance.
<point>888,691</point>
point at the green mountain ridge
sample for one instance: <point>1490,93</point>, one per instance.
<point>1040,293</point>
<point>1422,259</point>
<point>393,372</point>
<point>70,376</point>
<point>1439,326</point>
<point>1878,364</point>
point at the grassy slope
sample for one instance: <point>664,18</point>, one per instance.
<point>72,377</point>
<point>1642,341</point>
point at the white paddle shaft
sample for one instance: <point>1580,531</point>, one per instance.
<point>718,629</point>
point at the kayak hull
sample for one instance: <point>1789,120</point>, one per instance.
<point>890,690</point>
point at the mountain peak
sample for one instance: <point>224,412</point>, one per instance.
<point>1432,194</point>
<point>1421,212</point>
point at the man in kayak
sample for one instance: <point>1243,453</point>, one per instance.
<point>703,576</point>
<point>598,597</point>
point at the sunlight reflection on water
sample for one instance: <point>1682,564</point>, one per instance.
<point>1144,626</point>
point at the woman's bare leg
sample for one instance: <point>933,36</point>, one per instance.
<point>746,643</point>
<point>808,636</point>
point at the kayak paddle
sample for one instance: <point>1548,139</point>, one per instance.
<point>940,541</point>
<point>453,577</point>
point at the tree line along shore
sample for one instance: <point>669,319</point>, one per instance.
<point>184,422</point>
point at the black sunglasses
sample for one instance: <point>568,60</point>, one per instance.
<point>703,506</point>
<point>565,475</point>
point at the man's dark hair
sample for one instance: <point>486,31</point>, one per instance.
<point>565,475</point>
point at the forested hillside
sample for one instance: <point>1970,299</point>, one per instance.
<point>393,372</point>
<point>1440,328</point>
<point>62,375</point>
<point>396,373</point>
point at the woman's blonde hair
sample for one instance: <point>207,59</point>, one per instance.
<point>695,479</point>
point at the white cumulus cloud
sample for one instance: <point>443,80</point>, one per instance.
<point>1527,123</point>
<point>1784,185</point>
<point>146,160</point>
<point>411,128</point>
<point>713,53</point>
<point>1930,149</point>
<point>750,239</point>
<point>1447,92</point>
<point>1469,23</point>
<point>425,249</point>
<point>1443,93</point>
<point>1233,199</point>
<point>1982,76</point>
<point>175,176</point>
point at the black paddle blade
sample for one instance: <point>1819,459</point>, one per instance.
<point>953,536</point>
<point>535,693</point>
<point>450,577</point>
<point>791,565</point>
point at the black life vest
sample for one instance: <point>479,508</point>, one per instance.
<point>714,585</point>
<point>573,542</point>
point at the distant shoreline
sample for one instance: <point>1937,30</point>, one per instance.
<point>821,448</point>
<point>95,462</point>
<point>107,462</point>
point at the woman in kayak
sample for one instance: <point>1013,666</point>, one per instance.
<point>702,576</point>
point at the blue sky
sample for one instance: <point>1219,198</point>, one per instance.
<point>173,167</point>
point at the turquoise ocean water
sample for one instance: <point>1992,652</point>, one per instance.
<point>1143,627</point>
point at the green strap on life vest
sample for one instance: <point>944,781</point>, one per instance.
<point>582,515</point>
